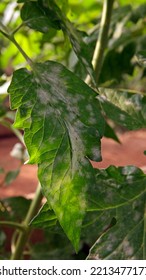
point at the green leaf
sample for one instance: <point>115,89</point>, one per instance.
<point>110,133</point>
<point>63,126</point>
<point>11,208</point>
<point>124,107</point>
<point>81,49</point>
<point>37,18</point>
<point>122,192</point>
<point>45,217</point>
<point>11,176</point>
<point>42,15</point>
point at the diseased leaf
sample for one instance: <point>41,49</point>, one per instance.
<point>124,107</point>
<point>15,204</point>
<point>63,126</point>
<point>110,133</point>
<point>42,15</point>
<point>45,217</point>
<point>122,192</point>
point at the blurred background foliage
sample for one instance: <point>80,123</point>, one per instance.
<point>121,69</point>
<point>126,39</point>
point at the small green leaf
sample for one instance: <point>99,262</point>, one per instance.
<point>124,107</point>
<point>11,176</point>
<point>63,126</point>
<point>39,18</point>
<point>121,192</point>
<point>45,217</point>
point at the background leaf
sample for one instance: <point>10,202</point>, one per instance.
<point>11,176</point>
<point>124,107</point>
<point>42,15</point>
<point>38,17</point>
<point>122,191</point>
<point>63,126</point>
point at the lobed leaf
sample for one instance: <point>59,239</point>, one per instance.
<point>63,126</point>
<point>124,107</point>
<point>122,192</point>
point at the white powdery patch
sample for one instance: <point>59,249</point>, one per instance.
<point>43,95</point>
<point>137,216</point>
<point>122,117</point>
<point>128,249</point>
<point>45,29</point>
<point>89,108</point>
<point>128,103</point>
<point>96,153</point>
<point>92,120</point>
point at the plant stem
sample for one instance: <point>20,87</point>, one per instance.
<point>12,224</point>
<point>10,36</point>
<point>14,130</point>
<point>23,236</point>
<point>102,39</point>
<point>17,28</point>
<point>27,58</point>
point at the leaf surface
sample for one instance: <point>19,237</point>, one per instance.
<point>63,126</point>
<point>42,15</point>
<point>124,107</point>
<point>45,217</point>
<point>123,193</point>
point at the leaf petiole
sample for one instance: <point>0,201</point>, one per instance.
<point>10,36</point>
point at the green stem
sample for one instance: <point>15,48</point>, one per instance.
<point>27,58</point>
<point>12,224</point>
<point>14,130</point>
<point>102,39</point>
<point>10,36</point>
<point>23,236</point>
<point>18,28</point>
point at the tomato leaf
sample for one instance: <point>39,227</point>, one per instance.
<point>123,193</point>
<point>45,217</point>
<point>63,126</point>
<point>42,15</point>
<point>124,107</point>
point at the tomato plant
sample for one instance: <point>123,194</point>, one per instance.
<point>77,59</point>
